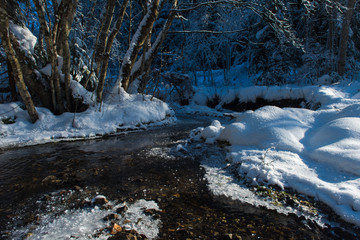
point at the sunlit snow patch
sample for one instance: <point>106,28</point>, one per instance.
<point>78,224</point>
<point>222,183</point>
<point>136,219</point>
<point>89,223</point>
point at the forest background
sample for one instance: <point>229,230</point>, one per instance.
<point>49,48</point>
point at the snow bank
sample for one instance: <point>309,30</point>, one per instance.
<point>316,153</point>
<point>324,95</point>
<point>129,112</point>
<point>337,143</point>
<point>222,183</point>
<point>269,127</point>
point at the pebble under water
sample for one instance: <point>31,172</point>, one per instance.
<point>47,188</point>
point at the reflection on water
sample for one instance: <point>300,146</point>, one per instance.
<point>129,167</point>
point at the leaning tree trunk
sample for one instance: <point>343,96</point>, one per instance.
<point>103,34</point>
<point>345,37</point>
<point>15,66</point>
<point>136,44</point>
<point>149,54</point>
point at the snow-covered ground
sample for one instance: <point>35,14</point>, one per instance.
<point>315,153</point>
<point>122,113</point>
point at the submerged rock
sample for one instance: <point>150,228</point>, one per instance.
<point>51,179</point>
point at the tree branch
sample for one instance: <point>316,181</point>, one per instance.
<point>208,4</point>
<point>209,31</point>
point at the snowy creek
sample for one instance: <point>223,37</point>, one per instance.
<point>46,191</point>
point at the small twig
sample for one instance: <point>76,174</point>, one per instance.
<point>263,157</point>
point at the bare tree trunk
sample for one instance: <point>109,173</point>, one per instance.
<point>104,32</point>
<point>65,31</point>
<point>12,84</point>
<point>344,37</point>
<point>109,43</point>
<point>149,55</point>
<point>130,22</point>
<point>66,71</point>
<point>330,40</point>
<point>144,74</point>
<point>15,66</point>
<point>51,40</point>
<point>136,44</point>
<point>56,36</point>
<point>45,29</point>
<point>56,80</point>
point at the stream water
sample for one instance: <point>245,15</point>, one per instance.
<point>41,184</point>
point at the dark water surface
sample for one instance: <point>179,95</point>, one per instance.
<point>135,166</point>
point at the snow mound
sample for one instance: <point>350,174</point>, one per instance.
<point>337,143</point>
<point>316,153</point>
<point>268,127</point>
<point>212,132</point>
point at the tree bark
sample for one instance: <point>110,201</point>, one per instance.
<point>56,37</point>
<point>51,51</point>
<point>104,32</point>
<point>344,37</point>
<point>12,84</point>
<point>15,66</point>
<point>149,55</point>
<point>106,57</point>
<point>65,28</point>
<point>136,44</point>
<point>330,40</point>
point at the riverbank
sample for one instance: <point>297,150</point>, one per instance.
<point>128,113</point>
<point>312,152</point>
